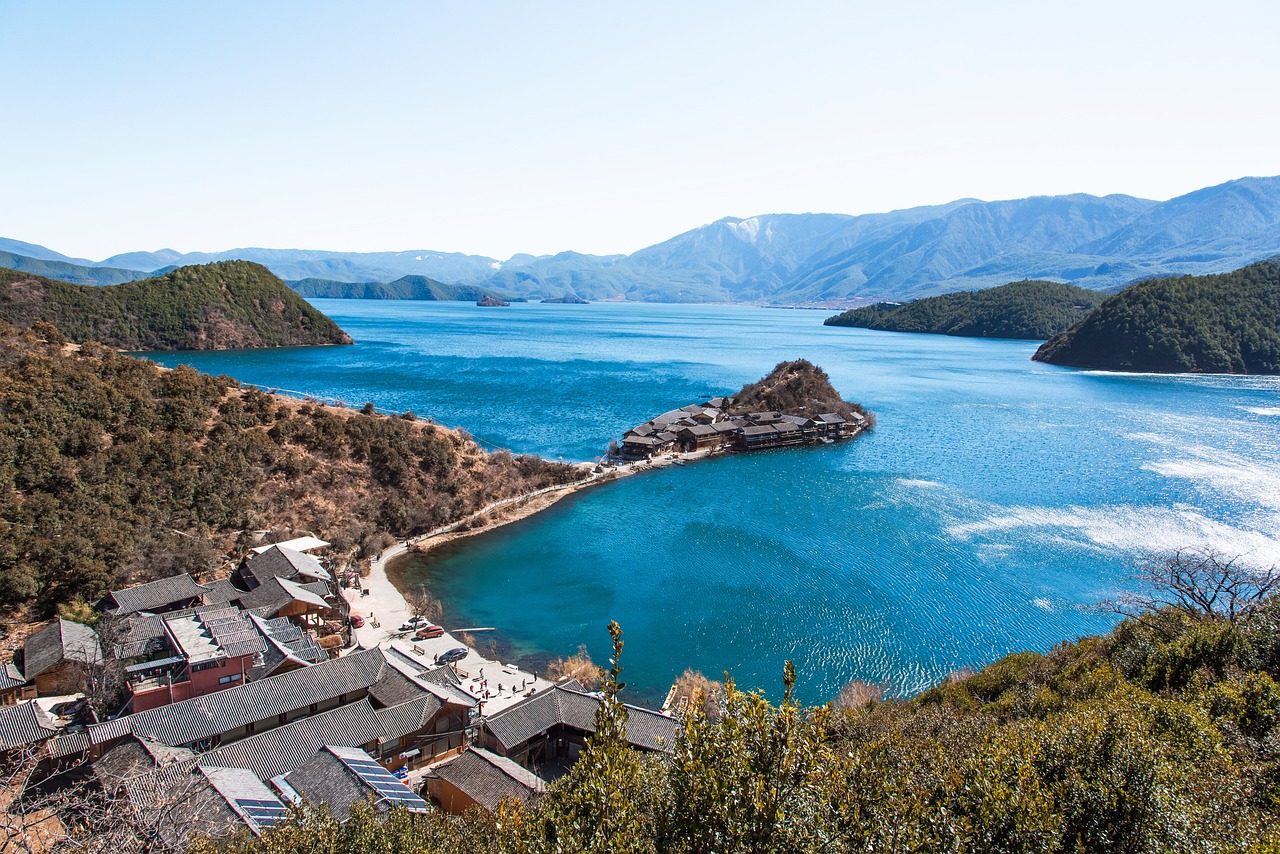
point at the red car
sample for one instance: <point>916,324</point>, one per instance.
<point>428,632</point>
<point>356,621</point>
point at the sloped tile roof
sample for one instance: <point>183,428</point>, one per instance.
<point>517,724</point>
<point>154,594</point>
<point>61,640</point>
<point>289,747</point>
<point>23,724</point>
<point>11,676</point>
<point>279,562</point>
<point>488,779</point>
<point>203,717</point>
<point>405,718</point>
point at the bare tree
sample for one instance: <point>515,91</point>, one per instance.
<point>423,604</point>
<point>152,810</point>
<point>1198,583</point>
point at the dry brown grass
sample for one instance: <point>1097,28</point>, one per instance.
<point>577,666</point>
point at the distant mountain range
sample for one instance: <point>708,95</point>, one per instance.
<point>1102,243</point>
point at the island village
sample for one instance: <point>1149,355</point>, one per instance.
<point>296,678</point>
<point>708,428</point>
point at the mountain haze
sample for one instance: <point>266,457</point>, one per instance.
<point>1095,242</point>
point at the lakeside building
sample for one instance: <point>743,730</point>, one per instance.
<point>707,428</point>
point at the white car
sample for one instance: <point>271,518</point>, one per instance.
<point>414,623</point>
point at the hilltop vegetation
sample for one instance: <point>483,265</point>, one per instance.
<point>1028,309</point>
<point>405,287</point>
<point>112,468</point>
<point>796,388</point>
<point>1158,737</point>
<point>227,305</point>
<point>1228,323</point>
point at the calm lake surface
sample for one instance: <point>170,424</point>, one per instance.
<point>995,503</point>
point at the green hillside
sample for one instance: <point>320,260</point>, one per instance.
<point>1028,309</point>
<point>1226,323</point>
<point>64,272</point>
<point>406,287</point>
<point>226,305</point>
<point>114,470</point>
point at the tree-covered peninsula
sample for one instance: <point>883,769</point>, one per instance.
<point>113,469</point>
<point>219,306</point>
<point>1028,309</point>
<point>1227,324</point>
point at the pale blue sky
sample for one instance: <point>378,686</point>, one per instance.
<point>502,127</point>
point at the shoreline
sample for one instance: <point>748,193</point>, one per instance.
<point>385,601</point>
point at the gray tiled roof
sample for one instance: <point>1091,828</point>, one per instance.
<point>69,743</point>
<point>140,636</point>
<point>274,593</point>
<point>327,780</point>
<point>517,724</point>
<point>488,779</point>
<point>61,640</point>
<point>154,594</point>
<point>286,748</point>
<point>23,724</point>
<point>221,591</point>
<point>394,687</point>
<point>280,562</point>
<point>11,677</point>
<point>405,718</point>
<point>132,757</point>
<point>203,717</point>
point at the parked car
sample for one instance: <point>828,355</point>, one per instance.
<point>356,621</point>
<point>427,632</point>
<point>455,654</point>
<point>414,623</point>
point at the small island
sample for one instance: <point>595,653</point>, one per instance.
<point>492,302</point>
<point>568,299</point>
<point>794,405</point>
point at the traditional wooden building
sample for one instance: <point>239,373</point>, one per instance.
<point>57,657</point>
<point>479,778</point>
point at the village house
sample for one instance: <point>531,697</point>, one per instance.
<point>161,596</point>
<point>479,778</point>
<point>547,731</point>
<point>57,659</point>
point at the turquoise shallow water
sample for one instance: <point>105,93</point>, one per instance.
<point>995,503</point>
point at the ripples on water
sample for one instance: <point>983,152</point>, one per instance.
<point>995,503</point>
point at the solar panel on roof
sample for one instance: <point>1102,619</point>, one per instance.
<point>263,813</point>
<point>384,783</point>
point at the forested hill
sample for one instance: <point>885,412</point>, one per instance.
<point>113,470</point>
<point>1028,309</point>
<point>220,306</point>
<point>796,388</point>
<point>1227,323</point>
<point>405,287</point>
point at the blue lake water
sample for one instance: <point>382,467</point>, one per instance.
<point>996,502</point>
